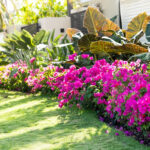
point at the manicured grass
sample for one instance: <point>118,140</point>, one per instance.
<point>34,122</point>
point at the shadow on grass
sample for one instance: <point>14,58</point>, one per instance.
<point>45,126</point>
<point>10,93</point>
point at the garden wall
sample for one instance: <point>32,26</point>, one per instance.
<point>60,24</point>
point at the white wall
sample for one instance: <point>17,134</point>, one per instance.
<point>48,24</point>
<point>56,23</point>
<point>131,8</point>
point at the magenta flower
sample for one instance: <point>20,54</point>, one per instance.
<point>72,57</point>
<point>78,84</point>
<point>15,75</point>
<point>84,56</point>
<point>117,134</point>
<point>91,58</point>
<point>32,60</point>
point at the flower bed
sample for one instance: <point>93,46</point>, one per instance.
<point>119,91</point>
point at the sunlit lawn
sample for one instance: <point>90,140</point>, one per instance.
<point>30,122</point>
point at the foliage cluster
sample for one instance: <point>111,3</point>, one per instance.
<point>106,39</point>
<point>22,46</point>
<point>40,9</point>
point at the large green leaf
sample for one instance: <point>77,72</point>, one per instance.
<point>108,47</point>
<point>93,20</point>
<point>109,25</point>
<point>85,41</point>
<point>137,24</point>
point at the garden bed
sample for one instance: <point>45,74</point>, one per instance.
<point>119,91</point>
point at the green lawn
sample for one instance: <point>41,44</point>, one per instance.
<point>34,122</point>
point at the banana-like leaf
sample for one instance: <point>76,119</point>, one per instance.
<point>144,57</point>
<point>137,24</point>
<point>109,25</point>
<point>93,20</point>
<point>85,42</point>
<point>108,47</point>
<point>72,31</point>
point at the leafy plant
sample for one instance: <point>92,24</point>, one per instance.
<point>41,48</point>
<point>22,46</point>
<point>105,38</point>
<point>59,49</point>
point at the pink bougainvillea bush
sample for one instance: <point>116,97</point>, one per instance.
<point>120,90</point>
<point>17,76</point>
<point>45,79</point>
<point>13,76</point>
